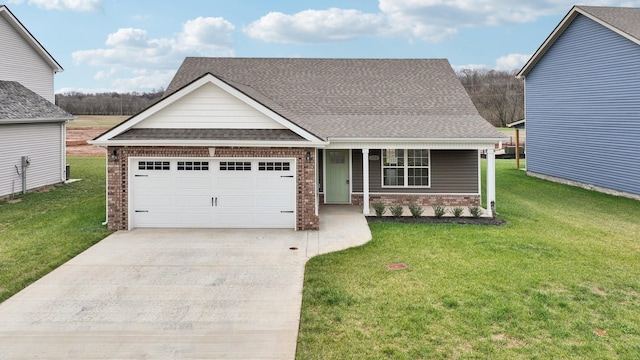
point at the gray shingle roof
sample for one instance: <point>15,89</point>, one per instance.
<point>210,134</point>
<point>624,19</point>
<point>19,104</point>
<point>362,98</point>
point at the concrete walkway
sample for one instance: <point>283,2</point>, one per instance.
<point>175,294</point>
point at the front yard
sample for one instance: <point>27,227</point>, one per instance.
<point>560,280</point>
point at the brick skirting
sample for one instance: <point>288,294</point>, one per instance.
<point>424,200</point>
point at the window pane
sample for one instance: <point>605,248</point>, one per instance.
<point>418,176</point>
<point>394,177</point>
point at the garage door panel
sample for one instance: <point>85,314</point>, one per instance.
<point>151,183</point>
<point>236,221</point>
<point>276,183</point>
<point>158,218</point>
<point>147,201</point>
<point>193,219</point>
<point>193,201</point>
<point>193,183</point>
<point>230,184</point>
<point>274,201</point>
<point>274,220</point>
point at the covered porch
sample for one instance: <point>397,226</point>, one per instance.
<point>406,173</point>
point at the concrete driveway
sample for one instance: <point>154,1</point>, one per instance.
<point>175,294</point>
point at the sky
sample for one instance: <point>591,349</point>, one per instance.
<point>137,45</point>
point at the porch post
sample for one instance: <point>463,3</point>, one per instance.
<point>365,181</point>
<point>491,181</point>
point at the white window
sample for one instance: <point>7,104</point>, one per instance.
<point>274,166</point>
<point>405,168</point>
<point>235,166</point>
<point>193,165</point>
<point>153,165</point>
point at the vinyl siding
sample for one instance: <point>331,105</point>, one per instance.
<point>209,107</point>
<point>45,154</point>
<point>452,172</point>
<point>582,106</point>
<point>21,63</point>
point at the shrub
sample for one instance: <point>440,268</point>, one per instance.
<point>379,208</point>
<point>439,210</point>
<point>475,211</point>
<point>457,211</point>
<point>416,210</point>
<point>396,210</point>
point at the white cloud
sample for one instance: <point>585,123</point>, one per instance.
<point>206,35</point>
<point>73,5</point>
<point>312,26</point>
<point>512,61</point>
<point>153,81</point>
<point>132,57</point>
<point>424,20</point>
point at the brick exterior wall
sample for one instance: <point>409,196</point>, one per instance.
<point>425,200</point>
<point>118,177</point>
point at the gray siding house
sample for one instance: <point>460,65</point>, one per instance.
<point>239,142</point>
<point>582,102</point>
<point>32,128</point>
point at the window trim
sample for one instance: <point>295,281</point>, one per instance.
<point>406,168</point>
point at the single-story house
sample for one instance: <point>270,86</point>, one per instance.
<point>582,101</point>
<point>255,142</point>
<point>32,128</point>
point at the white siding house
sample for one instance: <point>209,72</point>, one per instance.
<point>582,101</point>
<point>31,126</point>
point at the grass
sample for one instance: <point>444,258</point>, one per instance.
<point>45,229</point>
<point>559,281</point>
<point>96,121</point>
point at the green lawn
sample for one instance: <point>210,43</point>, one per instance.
<point>45,229</point>
<point>561,280</point>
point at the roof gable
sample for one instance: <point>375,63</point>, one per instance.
<point>213,102</point>
<point>26,35</point>
<point>18,104</point>
<point>209,107</point>
<point>624,21</point>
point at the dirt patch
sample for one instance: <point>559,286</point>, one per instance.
<point>77,142</point>
<point>598,291</point>
<point>435,220</point>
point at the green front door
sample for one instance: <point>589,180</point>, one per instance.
<point>337,186</point>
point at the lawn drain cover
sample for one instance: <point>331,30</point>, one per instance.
<point>398,266</point>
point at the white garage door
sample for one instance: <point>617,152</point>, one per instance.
<point>212,193</point>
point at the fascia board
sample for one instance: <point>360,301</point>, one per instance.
<point>209,143</point>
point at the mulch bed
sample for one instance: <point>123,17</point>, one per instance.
<point>443,220</point>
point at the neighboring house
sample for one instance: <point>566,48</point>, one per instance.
<point>582,104</point>
<point>32,128</point>
<point>241,142</point>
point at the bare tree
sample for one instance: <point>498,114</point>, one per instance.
<point>498,95</point>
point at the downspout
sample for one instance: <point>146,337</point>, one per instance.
<point>106,188</point>
<point>63,151</point>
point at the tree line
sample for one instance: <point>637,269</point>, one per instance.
<point>498,96</point>
<point>108,103</point>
